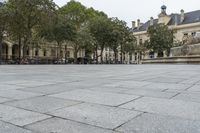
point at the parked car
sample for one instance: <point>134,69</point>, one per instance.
<point>61,61</point>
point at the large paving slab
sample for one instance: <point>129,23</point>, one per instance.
<point>195,88</point>
<point>164,86</point>
<point>188,96</point>
<point>51,89</point>
<point>8,87</point>
<point>8,128</point>
<point>42,104</point>
<point>98,98</point>
<point>153,123</point>
<point>179,108</point>
<point>19,117</point>
<point>97,115</point>
<point>108,89</point>
<point>2,100</point>
<point>17,94</point>
<point>104,98</point>
<point>150,93</point>
<point>33,83</point>
<point>56,125</point>
<point>167,80</point>
<point>128,84</point>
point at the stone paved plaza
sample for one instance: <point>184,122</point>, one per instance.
<point>100,99</point>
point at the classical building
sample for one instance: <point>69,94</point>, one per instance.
<point>184,24</point>
<point>42,51</point>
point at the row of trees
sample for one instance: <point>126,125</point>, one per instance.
<point>27,22</point>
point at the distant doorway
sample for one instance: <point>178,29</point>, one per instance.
<point>4,52</point>
<point>15,52</point>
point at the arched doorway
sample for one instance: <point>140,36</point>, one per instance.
<point>61,54</point>
<point>4,52</point>
<point>15,52</point>
<point>26,52</point>
<point>53,53</point>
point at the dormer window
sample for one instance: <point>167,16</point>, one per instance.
<point>193,34</point>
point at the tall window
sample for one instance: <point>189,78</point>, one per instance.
<point>193,33</point>
<point>68,54</point>
<point>140,41</point>
<point>27,52</point>
<point>45,53</point>
<point>135,56</point>
<point>36,53</point>
<point>131,57</point>
<point>185,34</point>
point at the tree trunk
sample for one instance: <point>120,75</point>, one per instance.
<point>102,55</point>
<point>0,51</point>
<point>65,54</point>
<point>75,56</point>
<point>60,48</point>
<point>121,57</point>
<point>20,43</point>
<point>102,48</point>
<point>97,57</point>
<point>57,53</point>
<point>25,46</point>
<point>115,57</point>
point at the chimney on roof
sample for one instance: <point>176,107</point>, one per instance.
<point>138,23</point>
<point>151,21</point>
<point>176,19</point>
<point>133,25</point>
<point>182,16</point>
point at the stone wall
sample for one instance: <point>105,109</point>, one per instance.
<point>173,60</point>
<point>189,50</point>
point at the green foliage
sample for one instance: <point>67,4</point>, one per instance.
<point>78,15</point>
<point>75,12</point>
<point>26,14</point>
<point>3,20</point>
<point>3,25</point>
<point>100,28</point>
<point>121,37</point>
<point>31,21</point>
<point>161,38</point>
<point>24,17</point>
<point>59,31</point>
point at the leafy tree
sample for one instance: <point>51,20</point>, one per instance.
<point>3,25</point>
<point>76,13</point>
<point>25,15</point>
<point>100,29</point>
<point>160,38</point>
<point>123,38</point>
<point>59,31</point>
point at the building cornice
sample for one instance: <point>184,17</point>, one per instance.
<point>174,27</point>
<point>177,27</point>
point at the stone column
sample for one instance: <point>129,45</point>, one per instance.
<point>22,53</point>
<point>31,53</point>
<point>165,53</point>
<point>155,55</point>
<point>128,58</point>
<point>9,52</point>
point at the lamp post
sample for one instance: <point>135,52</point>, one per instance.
<point>0,53</point>
<point>65,54</point>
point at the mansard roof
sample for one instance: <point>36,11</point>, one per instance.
<point>190,17</point>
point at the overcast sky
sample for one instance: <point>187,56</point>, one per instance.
<point>130,10</point>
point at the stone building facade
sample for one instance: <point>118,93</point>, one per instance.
<point>184,24</point>
<point>44,50</point>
